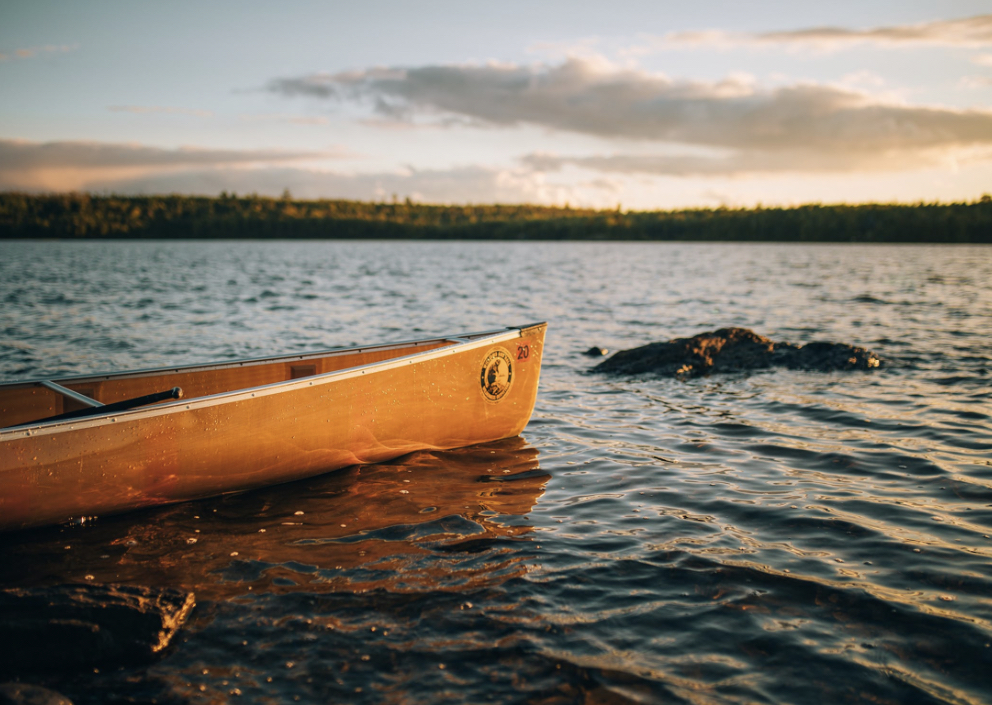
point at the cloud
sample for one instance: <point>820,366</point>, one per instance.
<point>140,109</point>
<point>141,169</point>
<point>31,52</point>
<point>23,154</point>
<point>71,165</point>
<point>974,82</point>
<point>966,32</point>
<point>982,59</point>
<point>738,163</point>
<point>466,184</point>
<point>596,98</point>
<point>285,117</point>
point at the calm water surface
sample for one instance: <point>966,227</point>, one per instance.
<point>774,537</point>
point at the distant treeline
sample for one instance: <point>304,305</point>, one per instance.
<point>228,216</point>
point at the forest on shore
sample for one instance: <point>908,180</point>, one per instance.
<point>76,215</point>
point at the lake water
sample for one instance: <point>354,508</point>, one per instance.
<point>775,537</point>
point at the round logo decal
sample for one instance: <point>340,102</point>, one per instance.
<point>497,375</point>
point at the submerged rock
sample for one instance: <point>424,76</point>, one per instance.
<point>73,626</point>
<point>596,351</point>
<point>734,350</point>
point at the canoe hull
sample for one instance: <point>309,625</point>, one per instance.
<point>444,398</point>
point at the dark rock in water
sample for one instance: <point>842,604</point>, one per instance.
<point>26,694</point>
<point>595,351</point>
<point>733,350</point>
<point>75,626</point>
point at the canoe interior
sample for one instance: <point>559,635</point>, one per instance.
<point>26,402</point>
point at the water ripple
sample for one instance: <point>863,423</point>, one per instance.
<point>782,536</point>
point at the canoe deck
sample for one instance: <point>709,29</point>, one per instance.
<point>251,423</point>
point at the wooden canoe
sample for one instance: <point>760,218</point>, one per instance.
<point>249,423</point>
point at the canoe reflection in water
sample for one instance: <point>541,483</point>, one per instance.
<point>427,520</point>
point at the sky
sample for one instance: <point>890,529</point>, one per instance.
<point>629,103</point>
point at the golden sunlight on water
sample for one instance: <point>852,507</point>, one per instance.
<point>358,529</point>
<point>775,536</point>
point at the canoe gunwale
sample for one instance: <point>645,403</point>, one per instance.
<point>467,342</point>
<point>250,361</point>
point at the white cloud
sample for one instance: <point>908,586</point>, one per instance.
<point>72,165</point>
<point>743,162</point>
<point>965,32</point>
<point>468,184</point>
<point>862,79</point>
<point>141,169</point>
<point>973,82</point>
<point>24,154</point>
<point>597,98</point>
<point>633,180</point>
